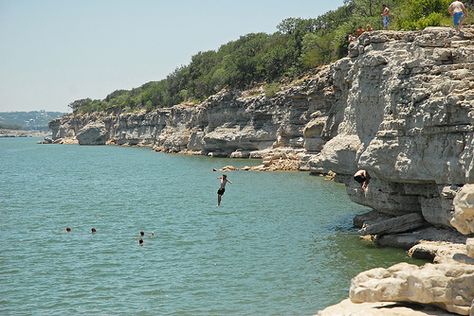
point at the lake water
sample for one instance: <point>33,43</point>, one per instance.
<point>280,244</point>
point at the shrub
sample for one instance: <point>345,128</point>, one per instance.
<point>271,89</point>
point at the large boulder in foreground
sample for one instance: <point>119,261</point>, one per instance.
<point>93,133</point>
<point>448,286</point>
<point>347,308</point>
<point>463,218</point>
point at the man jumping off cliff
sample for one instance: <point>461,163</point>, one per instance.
<point>221,190</point>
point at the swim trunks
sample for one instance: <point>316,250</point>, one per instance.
<point>220,191</point>
<point>385,21</point>
<point>457,17</point>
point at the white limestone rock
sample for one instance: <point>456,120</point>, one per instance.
<point>339,155</point>
<point>448,286</point>
<point>463,218</point>
<point>441,252</point>
<point>470,247</point>
<point>348,308</point>
<point>93,133</point>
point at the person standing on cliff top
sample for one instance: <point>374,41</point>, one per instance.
<point>221,190</point>
<point>362,177</point>
<point>385,16</point>
<point>459,12</point>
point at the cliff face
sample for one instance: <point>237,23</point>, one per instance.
<point>229,123</point>
<point>401,106</point>
<point>408,121</point>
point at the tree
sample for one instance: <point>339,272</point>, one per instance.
<point>79,104</point>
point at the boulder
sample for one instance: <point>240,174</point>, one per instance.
<point>470,247</point>
<point>47,140</point>
<point>397,224</point>
<point>463,218</point>
<point>448,286</point>
<point>338,155</point>
<point>93,133</point>
<point>347,308</point>
<point>314,128</point>
<point>441,252</point>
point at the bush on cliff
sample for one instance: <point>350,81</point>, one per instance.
<point>418,14</point>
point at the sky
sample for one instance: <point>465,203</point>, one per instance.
<point>53,52</point>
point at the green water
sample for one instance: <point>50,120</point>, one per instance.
<point>280,244</point>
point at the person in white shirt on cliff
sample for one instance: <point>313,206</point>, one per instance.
<point>459,12</point>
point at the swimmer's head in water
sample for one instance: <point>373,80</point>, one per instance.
<point>68,229</point>
<point>93,230</point>
<point>140,242</point>
<point>142,233</point>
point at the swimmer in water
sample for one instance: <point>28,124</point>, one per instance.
<point>68,229</point>
<point>93,230</point>
<point>140,242</point>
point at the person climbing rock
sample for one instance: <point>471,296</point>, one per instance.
<point>362,177</point>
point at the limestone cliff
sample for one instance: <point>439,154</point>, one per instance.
<point>401,106</point>
<point>231,123</point>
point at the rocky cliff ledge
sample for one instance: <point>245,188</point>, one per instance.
<point>401,106</point>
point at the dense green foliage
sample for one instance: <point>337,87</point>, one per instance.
<point>34,120</point>
<point>298,45</point>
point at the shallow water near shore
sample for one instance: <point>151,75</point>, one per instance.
<point>281,243</point>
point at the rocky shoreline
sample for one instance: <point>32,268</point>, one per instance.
<point>400,106</point>
<point>7,133</point>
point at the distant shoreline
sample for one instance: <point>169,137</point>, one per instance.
<point>5,133</point>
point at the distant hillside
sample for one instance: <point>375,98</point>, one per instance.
<point>35,120</point>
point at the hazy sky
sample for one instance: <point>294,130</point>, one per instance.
<point>53,52</point>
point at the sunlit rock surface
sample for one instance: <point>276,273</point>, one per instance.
<point>449,286</point>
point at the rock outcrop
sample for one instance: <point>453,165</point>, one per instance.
<point>463,218</point>
<point>448,286</point>
<point>93,133</point>
<point>470,247</point>
<point>394,225</point>
<point>347,308</point>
